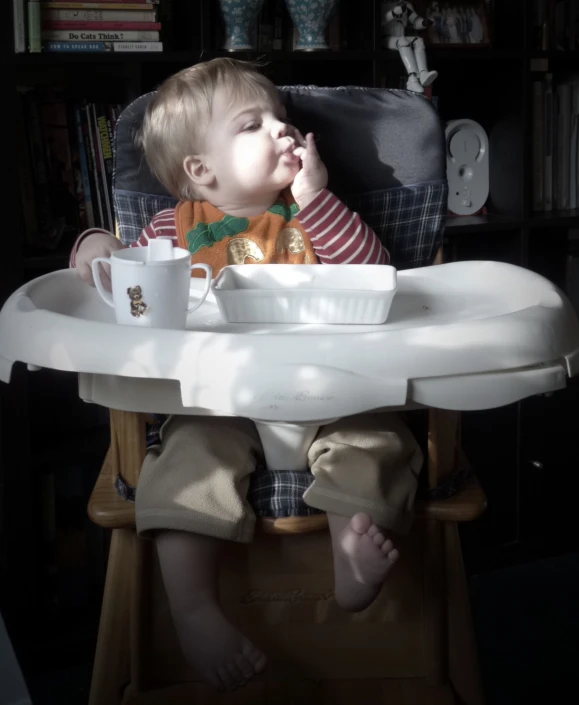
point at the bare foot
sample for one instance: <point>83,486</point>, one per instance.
<point>363,557</point>
<point>219,653</point>
<point>221,656</point>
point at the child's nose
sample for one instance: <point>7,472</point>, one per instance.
<point>280,129</point>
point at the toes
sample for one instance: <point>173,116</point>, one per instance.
<point>360,523</point>
<point>237,677</point>
<point>387,547</point>
<point>373,530</point>
<point>225,678</point>
<point>245,666</point>
<point>393,556</point>
<point>214,681</point>
<point>379,539</point>
<point>255,657</point>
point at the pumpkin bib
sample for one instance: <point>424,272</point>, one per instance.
<point>217,239</point>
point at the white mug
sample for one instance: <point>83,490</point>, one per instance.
<point>152,294</point>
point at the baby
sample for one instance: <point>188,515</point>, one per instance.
<point>251,188</point>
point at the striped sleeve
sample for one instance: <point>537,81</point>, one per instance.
<point>338,235</point>
<point>162,225</point>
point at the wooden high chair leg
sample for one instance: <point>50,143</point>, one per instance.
<point>118,657</point>
<point>435,612</point>
<point>463,663</point>
<point>111,665</point>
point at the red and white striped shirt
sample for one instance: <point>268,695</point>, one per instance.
<point>338,235</point>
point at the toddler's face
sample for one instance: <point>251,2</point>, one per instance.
<point>250,148</point>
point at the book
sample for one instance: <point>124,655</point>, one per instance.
<point>102,46</point>
<point>49,228</point>
<point>574,151</point>
<point>92,150</point>
<point>564,141</point>
<point>112,5</point>
<point>19,19</point>
<point>98,16</point>
<point>54,123</point>
<point>538,145</point>
<point>34,45</point>
<point>105,161</point>
<point>64,35</point>
<point>25,175</point>
<point>93,3</point>
<point>549,141</point>
<point>82,216</point>
<point>90,221</point>
<point>66,24</point>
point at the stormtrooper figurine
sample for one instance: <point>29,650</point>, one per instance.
<point>397,17</point>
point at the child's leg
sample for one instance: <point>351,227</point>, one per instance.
<point>218,652</point>
<point>366,470</point>
<point>191,493</point>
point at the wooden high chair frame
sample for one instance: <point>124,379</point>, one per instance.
<point>415,645</point>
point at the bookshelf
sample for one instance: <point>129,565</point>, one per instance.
<point>491,85</point>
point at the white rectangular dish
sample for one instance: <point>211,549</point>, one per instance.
<point>310,293</point>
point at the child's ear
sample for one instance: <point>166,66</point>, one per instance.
<point>197,170</point>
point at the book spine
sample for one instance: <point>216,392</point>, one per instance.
<point>93,173</point>
<point>19,18</point>
<point>102,153</point>
<point>135,26</point>
<point>34,45</point>
<point>574,165</point>
<point>549,142</point>
<point>82,160</point>
<point>74,148</point>
<point>63,35</point>
<point>47,233</point>
<point>25,173</point>
<point>96,3</point>
<point>103,125</point>
<point>563,155</point>
<point>538,146</point>
<point>103,46</point>
<point>98,16</point>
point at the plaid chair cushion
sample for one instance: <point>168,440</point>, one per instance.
<point>134,211</point>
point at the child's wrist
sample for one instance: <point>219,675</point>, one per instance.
<point>304,199</point>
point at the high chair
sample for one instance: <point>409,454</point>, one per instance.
<point>460,336</point>
<point>415,643</point>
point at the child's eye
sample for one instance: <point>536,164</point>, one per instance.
<point>251,127</point>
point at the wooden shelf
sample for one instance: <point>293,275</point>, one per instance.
<point>560,219</point>
<point>570,56</point>
<point>457,225</point>
<point>194,55</point>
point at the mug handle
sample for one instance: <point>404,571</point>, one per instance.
<point>104,294</point>
<point>207,270</point>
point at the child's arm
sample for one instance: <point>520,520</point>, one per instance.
<point>338,235</point>
<point>101,243</point>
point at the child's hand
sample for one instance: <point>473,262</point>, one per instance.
<point>93,246</point>
<point>312,177</point>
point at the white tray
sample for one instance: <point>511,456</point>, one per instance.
<point>310,293</point>
<point>466,335</point>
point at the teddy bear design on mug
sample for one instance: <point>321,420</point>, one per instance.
<point>138,306</point>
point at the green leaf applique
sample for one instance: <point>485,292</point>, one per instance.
<point>207,234</point>
<point>286,212</point>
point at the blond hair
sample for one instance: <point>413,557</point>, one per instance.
<point>177,116</point>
